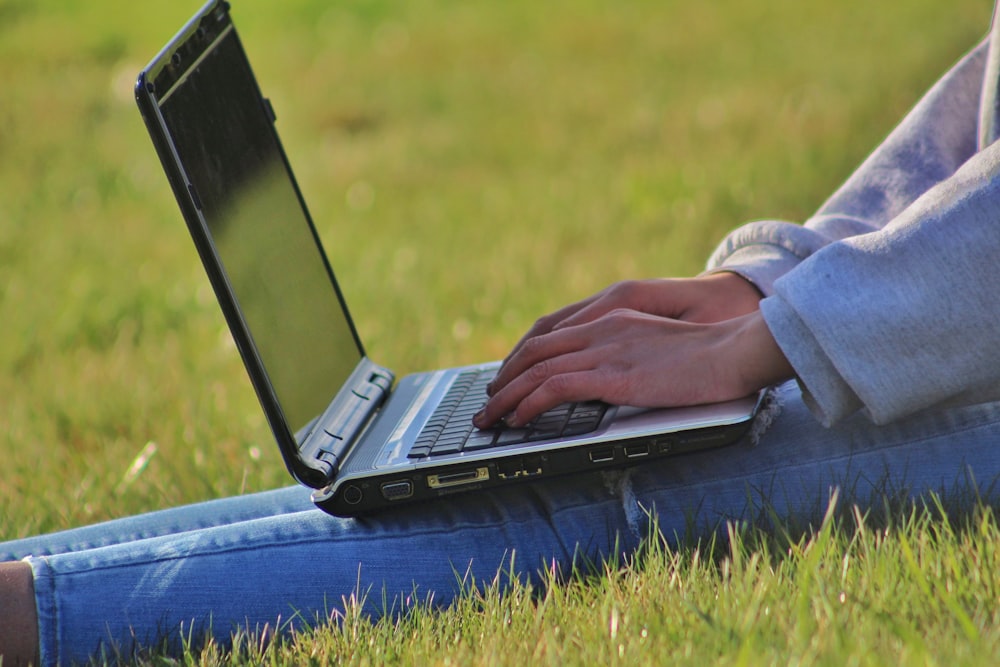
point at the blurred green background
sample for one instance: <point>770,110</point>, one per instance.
<point>470,166</point>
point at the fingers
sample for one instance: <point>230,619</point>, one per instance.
<point>568,364</point>
<point>536,359</point>
<point>533,350</point>
<point>629,294</point>
<point>549,323</point>
<point>550,383</point>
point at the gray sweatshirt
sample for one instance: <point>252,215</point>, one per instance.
<point>887,300</point>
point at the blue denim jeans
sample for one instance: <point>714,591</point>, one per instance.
<point>249,561</point>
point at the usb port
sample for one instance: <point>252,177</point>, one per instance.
<point>636,451</point>
<point>602,455</point>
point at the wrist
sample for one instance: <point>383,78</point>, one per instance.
<point>721,296</point>
<point>755,355</point>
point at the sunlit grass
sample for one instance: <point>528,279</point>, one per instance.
<point>470,166</point>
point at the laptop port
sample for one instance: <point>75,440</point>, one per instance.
<point>397,490</point>
<point>519,466</point>
<point>353,495</point>
<point>602,455</point>
<point>667,445</point>
<point>636,451</point>
<point>470,476</point>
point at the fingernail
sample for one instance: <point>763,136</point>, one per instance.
<point>511,420</point>
<point>489,389</point>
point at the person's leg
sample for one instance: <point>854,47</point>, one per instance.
<point>221,512</point>
<point>306,563</point>
<point>798,463</point>
<point>18,617</point>
<point>303,565</point>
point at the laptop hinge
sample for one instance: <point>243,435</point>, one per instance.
<point>339,428</point>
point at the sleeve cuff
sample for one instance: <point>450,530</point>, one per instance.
<point>824,391</point>
<point>761,264</point>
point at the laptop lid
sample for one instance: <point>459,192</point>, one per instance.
<point>214,133</point>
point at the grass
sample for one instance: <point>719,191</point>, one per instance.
<point>573,143</point>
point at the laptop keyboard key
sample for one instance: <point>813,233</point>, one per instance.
<point>451,446</point>
<point>450,430</point>
<point>510,436</point>
<point>418,451</point>
<point>480,440</point>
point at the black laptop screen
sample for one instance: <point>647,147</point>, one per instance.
<point>260,230</point>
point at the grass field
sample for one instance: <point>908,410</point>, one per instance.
<point>571,143</point>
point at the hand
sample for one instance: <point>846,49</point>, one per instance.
<point>627,357</point>
<point>710,298</point>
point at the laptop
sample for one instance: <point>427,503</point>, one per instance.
<point>361,438</point>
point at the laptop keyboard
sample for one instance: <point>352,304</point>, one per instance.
<point>450,429</point>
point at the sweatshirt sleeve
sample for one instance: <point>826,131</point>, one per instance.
<point>904,318</point>
<point>885,300</point>
<point>937,136</point>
